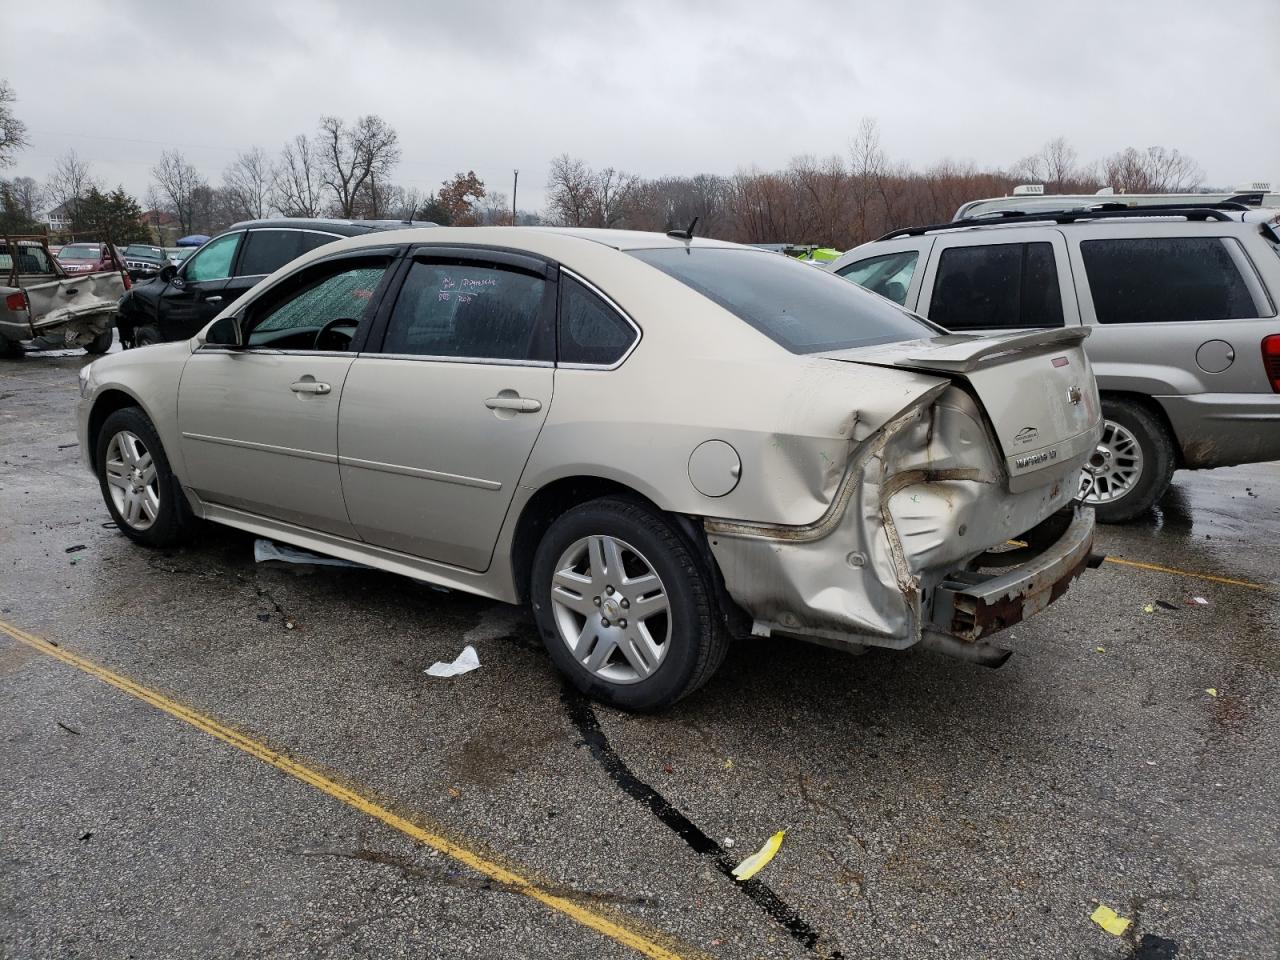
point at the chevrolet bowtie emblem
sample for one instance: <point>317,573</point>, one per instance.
<point>1074,395</point>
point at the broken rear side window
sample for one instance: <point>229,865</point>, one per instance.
<point>799,307</point>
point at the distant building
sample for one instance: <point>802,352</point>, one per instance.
<point>58,219</point>
<point>164,226</point>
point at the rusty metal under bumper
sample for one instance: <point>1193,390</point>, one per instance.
<point>971,604</point>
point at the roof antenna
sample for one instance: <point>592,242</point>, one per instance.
<point>686,234</point>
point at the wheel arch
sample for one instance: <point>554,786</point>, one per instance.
<point>1153,407</point>
<point>104,405</point>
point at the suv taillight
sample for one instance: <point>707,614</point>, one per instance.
<point>1271,359</point>
<point>16,301</point>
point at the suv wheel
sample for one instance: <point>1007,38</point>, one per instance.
<point>10,349</point>
<point>1132,466</point>
<point>625,606</point>
<point>144,497</point>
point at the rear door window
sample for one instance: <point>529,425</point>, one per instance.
<point>266,251</point>
<point>1167,279</point>
<point>471,310</point>
<point>997,286</point>
<point>889,275</point>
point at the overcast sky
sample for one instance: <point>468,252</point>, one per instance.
<point>651,87</point>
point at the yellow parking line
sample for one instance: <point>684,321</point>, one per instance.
<point>1191,573</point>
<point>595,920</point>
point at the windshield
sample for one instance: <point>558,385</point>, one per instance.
<point>800,308</point>
<point>144,253</point>
<point>80,251</point>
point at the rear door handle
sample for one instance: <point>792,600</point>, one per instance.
<point>518,404</point>
<point>309,386</point>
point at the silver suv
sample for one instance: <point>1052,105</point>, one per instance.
<point>1180,302</point>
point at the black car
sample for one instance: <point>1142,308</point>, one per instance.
<point>178,303</point>
<point>144,260</point>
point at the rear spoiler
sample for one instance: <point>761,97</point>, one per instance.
<point>956,353</point>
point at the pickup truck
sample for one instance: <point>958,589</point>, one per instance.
<point>40,303</point>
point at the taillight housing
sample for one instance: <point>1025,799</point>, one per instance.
<point>124,275</point>
<point>16,301</point>
<point>1271,359</point>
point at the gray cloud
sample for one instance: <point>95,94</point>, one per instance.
<point>655,87</point>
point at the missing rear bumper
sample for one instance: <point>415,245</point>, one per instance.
<point>971,604</point>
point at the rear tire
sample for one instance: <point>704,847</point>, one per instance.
<point>101,343</point>
<point>10,349</point>
<point>625,605</point>
<point>140,489</point>
<point>1132,466</point>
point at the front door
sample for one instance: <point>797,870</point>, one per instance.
<point>260,424</point>
<point>198,292</point>
<point>437,424</point>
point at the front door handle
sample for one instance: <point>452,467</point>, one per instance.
<point>309,386</point>
<point>214,299</point>
<point>517,404</point>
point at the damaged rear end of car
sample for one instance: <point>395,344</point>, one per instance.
<point>954,518</point>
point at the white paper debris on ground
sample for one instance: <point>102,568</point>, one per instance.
<point>749,867</point>
<point>467,661</point>
<point>1200,601</point>
<point>264,550</point>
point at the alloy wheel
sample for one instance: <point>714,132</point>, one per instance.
<point>132,480</point>
<point>1114,468</point>
<point>611,609</point>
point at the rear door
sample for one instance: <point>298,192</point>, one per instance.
<point>439,418</point>
<point>260,424</point>
<point>990,281</point>
<point>198,292</point>
<point>1173,313</point>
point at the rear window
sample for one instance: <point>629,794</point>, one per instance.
<point>30,259</point>
<point>1167,279</point>
<point>800,308</point>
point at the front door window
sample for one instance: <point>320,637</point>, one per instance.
<point>213,261</point>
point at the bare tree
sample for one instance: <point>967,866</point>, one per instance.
<point>28,195</point>
<point>13,132</point>
<point>178,180</point>
<point>69,183</point>
<point>351,155</point>
<point>570,191</point>
<point>615,195</point>
<point>1154,170</point>
<point>248,182</point>
<point>297,182</point>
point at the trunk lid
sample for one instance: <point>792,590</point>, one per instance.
<point>59,301</point>
<point>1036,386</point>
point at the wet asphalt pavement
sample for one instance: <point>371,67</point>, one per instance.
<point>933,809</point>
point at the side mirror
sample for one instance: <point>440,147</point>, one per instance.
<point>225,332</point>
<point>168,272</point>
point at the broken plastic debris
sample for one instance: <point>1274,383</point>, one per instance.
<point>749,867</point>
<point>728,843</point>
<point>467,661</point>
<point>1101,649</point>
<point>1211,691</point>
<point>1166,605</point>
<point>270,550</point>
<point>1110,921</point>
<point>1200,600</point>
<point>1149,608</point>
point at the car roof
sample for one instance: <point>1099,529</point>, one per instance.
<point>1193,217</point>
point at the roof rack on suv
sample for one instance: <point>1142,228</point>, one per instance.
<point>1101,211</point>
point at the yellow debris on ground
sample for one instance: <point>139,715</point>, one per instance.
<point>749,867</point>
<point>1110,921</point>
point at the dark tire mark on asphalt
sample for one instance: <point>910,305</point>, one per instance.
<point>584,718</point>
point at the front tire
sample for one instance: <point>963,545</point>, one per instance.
<point>625,606</point>
<point>141,491</point>
<point>1132,466</point>
<point>146,336</point>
